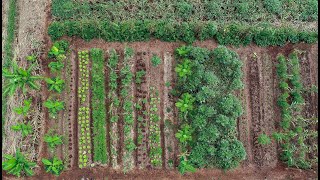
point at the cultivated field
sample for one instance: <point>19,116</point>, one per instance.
<point>119,98</point>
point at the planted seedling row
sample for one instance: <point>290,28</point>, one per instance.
<point>141,111</point>
<point>113,108</point>
<point>84,111</point>
<point>127,109</point>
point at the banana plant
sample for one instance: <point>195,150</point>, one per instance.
<point>56,84</point>
<point>20,78</point>
<point>185,103</point>
<point>184,69</point>
<point>18,164</point>
<point>54,107</point>
<point>53,140</point>
<point>23,109</point>
<point>185,134</point>
<point>24,128</point>
<point>54,166</point>
<point>55,66</point>
<point>183,51</point>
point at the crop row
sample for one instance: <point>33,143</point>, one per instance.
<point>231,34</point>
<point>171,10</point>
<point>127,109</point>
<point>154,129</point>
<point>114,105</point>
<point>98,106</point>
<point>84,110</point>
<point>294,135</point>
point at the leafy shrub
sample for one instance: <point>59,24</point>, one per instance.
<point>184,68</point>
<point>185,166</point>
<point>24,109</point>
<point>24,128</point>
<point>184,10</point>
<point>18,164</point>
<point>155,60</point>
<point>55,66</point>
<point>19,78</point>
<point>273,6</point>
<point>53,140</point>
<point>54,107</point>
<point>185,103</point>
<point>54,166</point>
<point>55,84</point>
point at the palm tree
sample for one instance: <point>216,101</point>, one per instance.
<point>19,78</point>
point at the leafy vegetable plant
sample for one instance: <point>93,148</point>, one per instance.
<point>54,107</point>
<point>53,140</point>
<point>24,128</point>
<point>184,69</point>
<point>24,109</point>
<point>54,166</point>
<point>56,84</point>
<point>185,103</point>
<point>55,66</point>
<point>155,60</point>
<point>18,164</point>
<point>19,78</point>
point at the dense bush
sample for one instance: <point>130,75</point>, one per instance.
<point>170,31</point>
<point>213,111</point>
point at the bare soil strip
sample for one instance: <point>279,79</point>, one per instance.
<point>168,112</point>
<point>268,123</point>
<point>254,91</point>
<point>72,113</point>
<point>244,122</point>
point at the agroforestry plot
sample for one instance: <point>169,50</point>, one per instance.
<point>181,94</point>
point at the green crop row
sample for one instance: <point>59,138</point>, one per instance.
<point>8,52</point>
<point>208,110</point>
<point>84,111</point>
<point>191,10</point>
<point>295,134</point>
<point>98,106</point>
<point>231,34</point>
<point>114,105</point>
<point>154,129</point>
<point>127,107</point>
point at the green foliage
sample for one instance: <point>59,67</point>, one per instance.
<point>139,75</point>
<point>184,69</point>
<point>185,166</point>
<point>55,84</point>
<point>264,139</point>
<point>185,103</point>
<point>25,108</point>
<point>55,66</point>
<point>18,164</point>
<point>98,106</point>
<point>19,78</point>
<point>155,60</point>
<point>54,166</point>
<point>273,6</point>
<point>213,118</point>
<point>53,140</point>
<point>24,128</point>
<point>185,134</point>
<point>58,48</point>
<point>54,107</point>
<point>171,31</point>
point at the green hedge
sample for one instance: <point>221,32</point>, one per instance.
<point>98,106</point>
<point>231,34</point>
